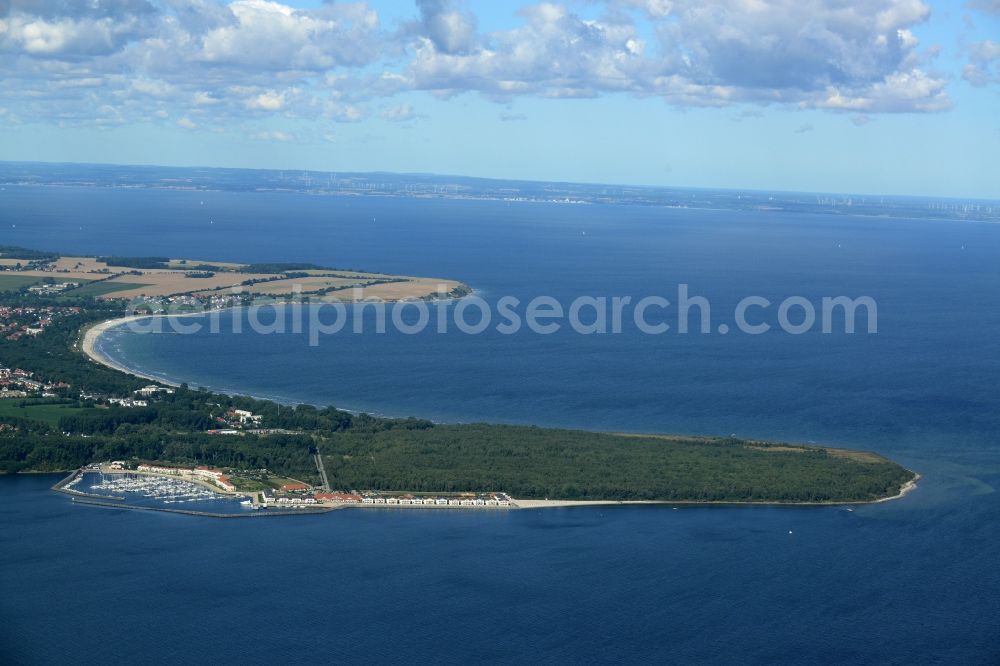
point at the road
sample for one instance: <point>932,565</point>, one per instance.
<point>318,457</point>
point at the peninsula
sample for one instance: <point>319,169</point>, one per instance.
<point>63,406</point>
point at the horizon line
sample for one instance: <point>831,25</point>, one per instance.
<point>511,180</point>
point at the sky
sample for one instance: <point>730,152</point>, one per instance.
<point>854,96</point>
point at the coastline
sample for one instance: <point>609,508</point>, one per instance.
<point>91,335</point>
<point>906,488</point>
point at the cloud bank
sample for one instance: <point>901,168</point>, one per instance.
<point>201,63</point>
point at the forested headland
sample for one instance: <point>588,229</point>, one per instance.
<point>86,416</point>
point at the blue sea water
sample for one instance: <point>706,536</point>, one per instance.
<point>910,581</point>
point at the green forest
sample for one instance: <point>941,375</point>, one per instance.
<point>530,462</point>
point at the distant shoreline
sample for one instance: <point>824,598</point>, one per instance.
<point>436,186</point>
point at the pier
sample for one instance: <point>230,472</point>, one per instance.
<point>66,484</point>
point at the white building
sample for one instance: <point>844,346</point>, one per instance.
<point>245,416</point>
<point>128,402</point>
<point>152,389</point>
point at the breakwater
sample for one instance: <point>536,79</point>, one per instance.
<point>89,501</point>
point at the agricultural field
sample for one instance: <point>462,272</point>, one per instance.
<point>48,413</point>
<point>305,285</point>
<point>10,281</point>
<point>98,289</point>
<point>131,277</point>
<point>169,283</point>
<point>412,288</point>
<point>188,264</point>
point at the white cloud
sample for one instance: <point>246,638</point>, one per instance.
<point>808,53</point>
<point>65,61</point>
<point>187,123</point>
<point>202,98</point>
<point>554,54</point>
<point>344,113</point>
<point>153,88</point>
<point>796,51</point>
<point>656,9</point>
<point>184,53</point>
<point>277,37</point>
<point>274,136</point>
<point>267,101</point>
<point>989,6</point>
<point>400,113</point>
<point>984,63</point>
<point>450,30</point>
<point>65,37</point>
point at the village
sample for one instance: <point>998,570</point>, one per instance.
<point>183,303</point>
<point>18,383</point>
<point>17,322</point>
<point>141,400</point>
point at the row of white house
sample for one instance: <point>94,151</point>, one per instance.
<point>439,501</point>
<point>270,500</point>
<point>497,500</point>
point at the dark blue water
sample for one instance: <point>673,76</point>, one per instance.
<point>909,581</point>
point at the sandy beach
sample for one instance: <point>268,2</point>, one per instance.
<point>88,345</point>
<point>903,490</point>
<point>556,504</point>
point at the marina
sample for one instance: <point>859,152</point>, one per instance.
<point>189,492</point>
<point>166,490</point>
<point>127,489</point>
